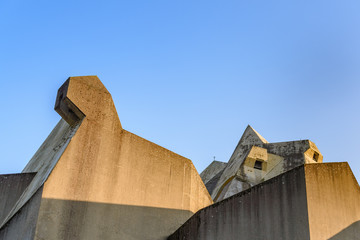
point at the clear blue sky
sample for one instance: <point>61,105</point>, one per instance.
<point>187,75</point>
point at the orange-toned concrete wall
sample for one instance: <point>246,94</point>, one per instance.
<point>333,199</point>
<point>112,184</point>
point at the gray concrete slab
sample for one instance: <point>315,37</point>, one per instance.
<point>12,187</point>
<point>275,209</point>
<point>312,201</point>
<point>23,224</point>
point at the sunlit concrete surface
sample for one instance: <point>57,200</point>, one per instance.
<point>95,180</point>
<point>256,160</point>
<point>92,179</point>
<point>312,201</point>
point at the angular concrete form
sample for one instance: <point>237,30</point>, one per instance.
<point>313,201</point>
<point>256,160</point>
<point>91,179</point>
<point>95,180</point>
<point>212,173</point>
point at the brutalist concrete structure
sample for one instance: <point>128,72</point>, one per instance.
<point>256,160</point>
<point>92,179</point>
<point>312,201</point>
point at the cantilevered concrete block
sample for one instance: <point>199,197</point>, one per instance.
<point>312,201</point>
<point>96,180</point>
<point>66,108</point>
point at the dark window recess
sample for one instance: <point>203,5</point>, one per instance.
<point>258,165</point>
<point>316,156</point>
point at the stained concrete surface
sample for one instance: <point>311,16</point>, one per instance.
<point>105,164</point>
<point>23,224</point>
<point>95,175</point>
<point>213,169</point>
<point>43,163</point>
<point>211,184</point>
<point>333,196</point>
<point>93,221</point>
<point>96,180</point>
<point>11,188</point>
<point>312,201</point>
<point>275,209</point>
<point>212,174</point>
<point>351,232</point>
<point>274,159</point>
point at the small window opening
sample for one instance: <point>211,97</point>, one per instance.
<point>258,165</point>
<point>316,156</point>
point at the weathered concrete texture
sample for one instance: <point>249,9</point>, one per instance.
<point>43,163</point>
<point>333,196</point>
<point>104,165</point>
<point>211,184</point>
<point>312,201</point>
<point>351,232</point>
<point>128,222</point>
<point>23,224</point>
<point>275,209</point>
<point>212,174</point>
<point>11,188</point>
<point>213,169</point>
<point>256,160</point>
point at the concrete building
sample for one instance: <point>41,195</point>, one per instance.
<point>313,201</point>
<point>256,160</point>
<point>92,179</point>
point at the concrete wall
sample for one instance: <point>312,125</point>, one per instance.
<point>212,174</point>
<point>213,169</point>
<point>11,188</point>
<point>275,159</point>
<point>112,184</point>
<point>333,196</point>
<point>276,209</point>
<point>313,201</point>
<point>23,224</point>
<point>43,162</point>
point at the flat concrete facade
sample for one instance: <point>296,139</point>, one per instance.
<point>313,201</point>
<point>333,199</point>
<point>275,209</point>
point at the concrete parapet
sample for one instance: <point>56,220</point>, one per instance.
<point>313,201</point>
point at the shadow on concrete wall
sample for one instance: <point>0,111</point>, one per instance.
<point>64,219</point>
<point>12,187</point>
<point>22,225</point>
<point>350,232</point>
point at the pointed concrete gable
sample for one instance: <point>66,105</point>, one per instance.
<point>242,172</point>
<point>251,136</point>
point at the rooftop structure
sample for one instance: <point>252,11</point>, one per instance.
<point>91,179</point>
<point>256,160</point>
